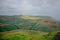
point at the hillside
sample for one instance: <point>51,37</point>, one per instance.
<point>28,28</point>
<point>38,23</point>
<point>27,35</point>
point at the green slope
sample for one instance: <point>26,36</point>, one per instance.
<point>27,35</point>
<point>38,23</point>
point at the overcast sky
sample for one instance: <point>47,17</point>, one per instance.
<point>31,7</point>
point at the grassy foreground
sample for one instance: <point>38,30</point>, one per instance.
<point>27,35</point>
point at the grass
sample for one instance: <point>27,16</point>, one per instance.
<point>27,35</point>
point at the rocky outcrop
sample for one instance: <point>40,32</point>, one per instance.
<point>57,36</point>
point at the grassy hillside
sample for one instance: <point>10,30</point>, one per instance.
<point>38,23</point>
<point>28,28</point>
<point>27,35</point>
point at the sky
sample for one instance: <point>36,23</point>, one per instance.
<point>31,7</point>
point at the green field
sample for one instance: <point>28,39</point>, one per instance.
<point>27,35</point>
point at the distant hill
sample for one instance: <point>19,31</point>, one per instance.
<point>38,23</point>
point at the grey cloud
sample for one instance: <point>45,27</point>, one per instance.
<point>38,7</point>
